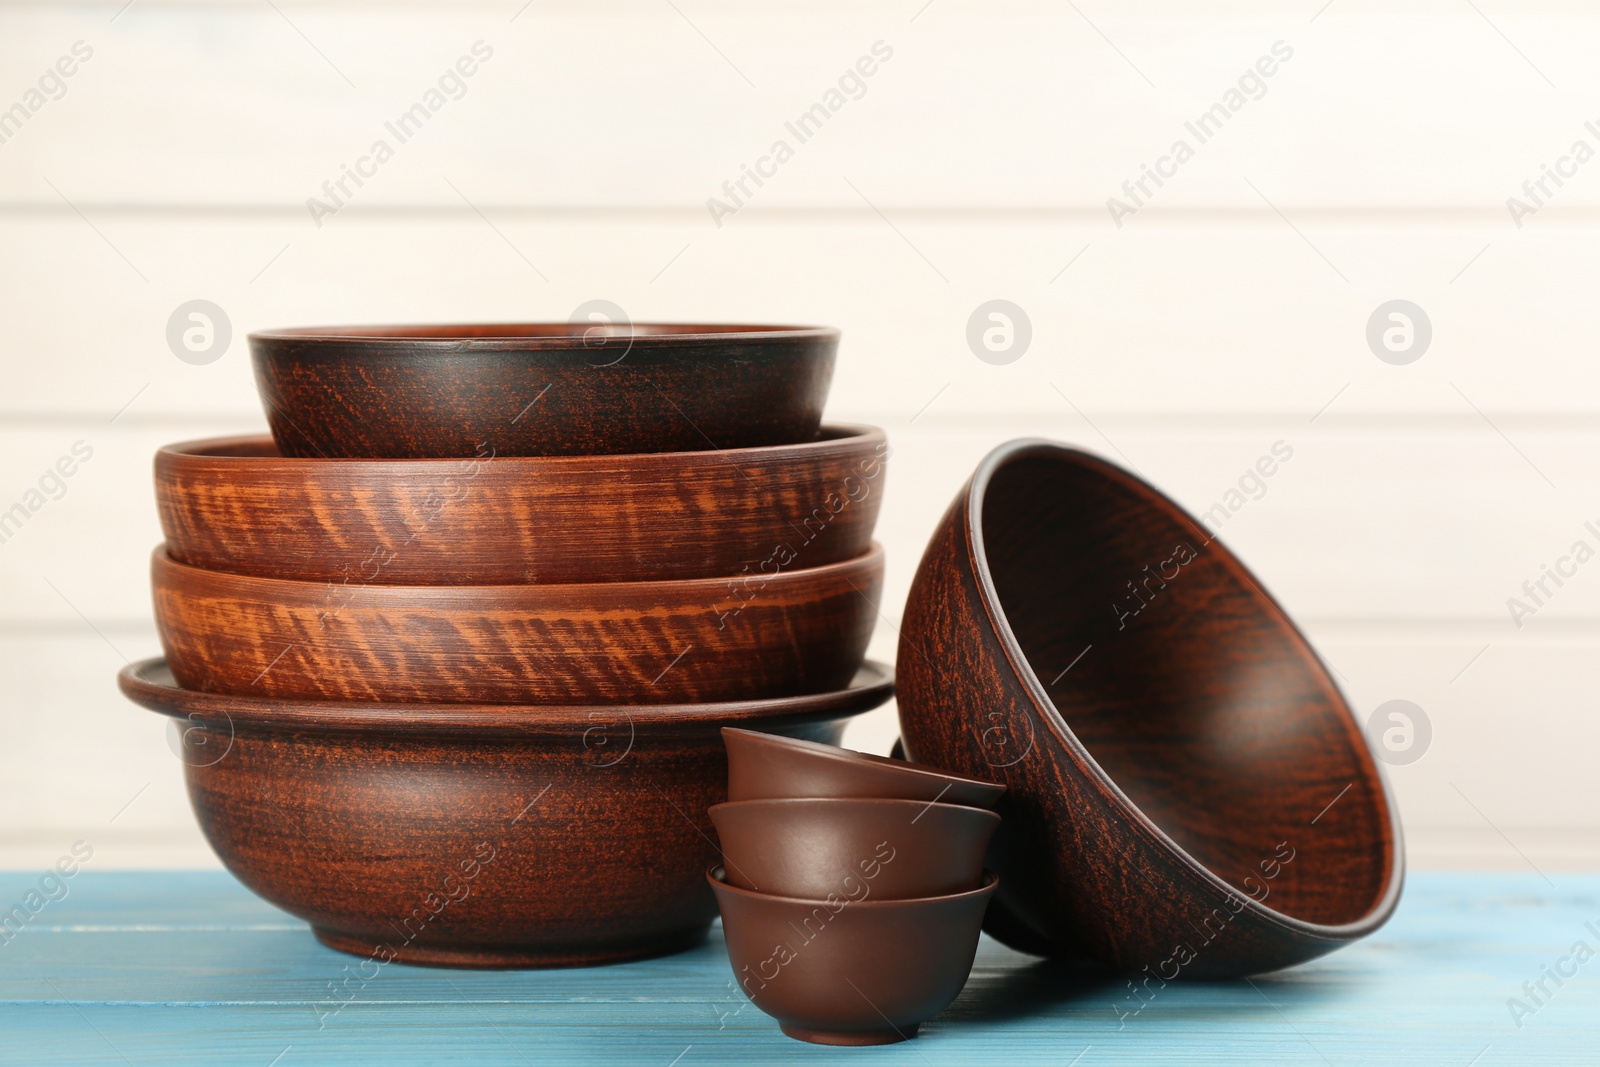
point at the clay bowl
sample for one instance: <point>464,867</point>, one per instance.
<point>762,767</point>
<point>838,971</point>
<point>474,836</point>
<point>1187,791</point>
<point>709,639</point>
<point>236,505</point>
<point>540,389</point>
<point>894,849</point>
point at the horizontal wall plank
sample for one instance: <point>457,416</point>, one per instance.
<point>1510,752</point>
<point>1378,519</point>
<point>1004,105</point>
<point>1173,318</point>
<point>1228,313</point>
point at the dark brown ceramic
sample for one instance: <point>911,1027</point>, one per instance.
<point>234,504</point>
<point>763,768</point>
<point>540,389</point>
<point>838,971</point>
<point>1187,791</point>
<point>710,639</point>
<point>894,849</point>
<point>473,836</point>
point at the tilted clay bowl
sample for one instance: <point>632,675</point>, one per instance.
<point>763,767</point>
<point>464,836</point>
<point>1187,791</point>
<point>540,389</point>
<point>843,971</point>
<point>236,505</point>
<point>893,848</point>
<point>782,633</point>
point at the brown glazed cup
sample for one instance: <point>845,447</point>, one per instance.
<point>896,848</point>
<point>763,767</point>
<point>842,971</point>
<point>540,389</point>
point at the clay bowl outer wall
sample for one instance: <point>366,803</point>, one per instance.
<point>236,505</point>
<point>1084,870</point>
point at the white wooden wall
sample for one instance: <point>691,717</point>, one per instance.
<point>1228,314</point>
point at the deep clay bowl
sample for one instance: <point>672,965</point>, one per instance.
<point>540,389</point>
<point>842,971</point>
<point>1186,789</point>
<point>892,849</point>
<point>474,836</point>
<point>236,505</point>
<point>763,767</point>
<point>750,637</point>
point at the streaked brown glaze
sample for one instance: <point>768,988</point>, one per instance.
<point>235,504</point>
<point>474,836</point>
<point>780,634</point>
<point>850,970</point>
<point>540,389</point>
<point>1191,794</point>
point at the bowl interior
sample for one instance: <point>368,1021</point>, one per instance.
<point>1187,685</point>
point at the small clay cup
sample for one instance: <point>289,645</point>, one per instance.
<point>763,767</point>
<point>838,971</point>
<point>897,849</point>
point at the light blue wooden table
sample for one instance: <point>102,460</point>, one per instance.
<point>174,968</point>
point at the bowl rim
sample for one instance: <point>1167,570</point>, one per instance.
<point>871,802</point>
<point>563,336</point>
<point>149,684</point>
<point>972,514</point>
<point>850,755</point>
<point>831,436</point>
<point>991,882</point>
<point>297,593</point>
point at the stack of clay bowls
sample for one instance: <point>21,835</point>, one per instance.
<point>450,651</point>
<point>852,887</point>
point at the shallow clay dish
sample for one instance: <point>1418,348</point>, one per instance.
<point>540,389</point>
<point>1186,789</point>
<point>761,767</point>
<point>236,505</point>
<point>710,639</point>
<point>474,836</point>
<point>838,971</point>
<point>878,849</point>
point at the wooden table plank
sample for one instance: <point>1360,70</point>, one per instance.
<point>167,968</point>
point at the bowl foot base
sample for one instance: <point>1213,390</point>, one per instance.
<point>848,1037</point>
<point>507,957</point>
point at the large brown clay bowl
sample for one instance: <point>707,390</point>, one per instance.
<point>1187,791</point>
<point>234,504</point>
<point>782,633</point>
<point>894,848</point>
<point>764,767</point>
<point>843,970</point>
<point>473,836</point>
<point>540,389</point>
